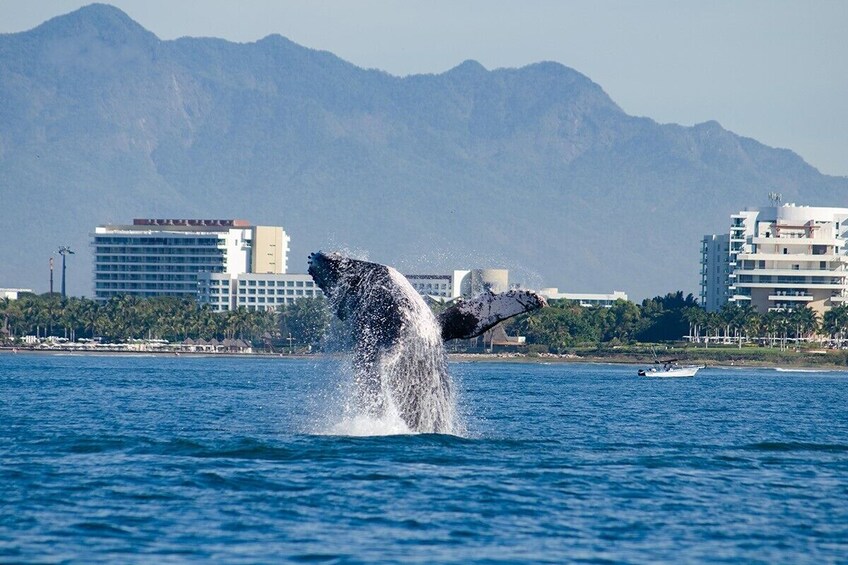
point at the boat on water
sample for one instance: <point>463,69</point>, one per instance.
<point>668,369</point>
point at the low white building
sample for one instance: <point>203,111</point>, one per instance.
<point>461,283</point>
<point>12,293</point>
<point>584,299</point>
<point>253,291</point>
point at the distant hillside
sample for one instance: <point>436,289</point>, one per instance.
<point>534,169</point>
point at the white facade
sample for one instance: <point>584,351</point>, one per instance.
<point>461,283</point>
<point>715,271</point>
<point>12,293</point>
<point>585,299</point>
<point>216,290</point>
<point>436,286</point>
<point>785,256</point>
<point>164,257</point>
<point>253,291</point>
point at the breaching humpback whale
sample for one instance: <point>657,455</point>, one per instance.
<point>399,357</point>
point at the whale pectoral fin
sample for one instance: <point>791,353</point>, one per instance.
<point>471,318</point>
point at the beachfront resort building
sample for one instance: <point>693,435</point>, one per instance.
<point>253,291</point>
<point>13,293</point>
<point>164,257</point>
<point>467,283</point>
<point>779,258</point>
<point>256,291</point>
<point>715,271</point>
<point>462,283</point>
<point>587,300</point>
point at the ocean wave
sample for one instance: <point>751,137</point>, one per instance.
<point>796,446</point>
<point>797,370</point>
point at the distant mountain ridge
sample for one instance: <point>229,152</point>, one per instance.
<point>534,169</point>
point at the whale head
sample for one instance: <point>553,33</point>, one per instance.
<point>326,269</point>
<point>355,289</point>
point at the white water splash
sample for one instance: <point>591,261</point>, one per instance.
<point>413,373</point>
<point>365,426</point>
<point>416,394</point>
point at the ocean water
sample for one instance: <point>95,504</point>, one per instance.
<point>250,460</point>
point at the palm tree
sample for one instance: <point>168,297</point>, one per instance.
<point>750,321</point>
<point>713,322</point>
<point>835,321</point>
<point>729,314</point>
<point>695,316</point>
<point>804,320</point>
<point>5,314</point>
<point>69,317</point>
<point>88,315</point>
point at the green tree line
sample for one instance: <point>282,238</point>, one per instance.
<point>173,319</point>
<point>564,325</point>
<point>674,317</point>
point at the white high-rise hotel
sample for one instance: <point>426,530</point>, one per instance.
<point>165,257</point>
<point>779,257</point>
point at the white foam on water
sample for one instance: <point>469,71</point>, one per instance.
<point>364,426</point>
<point>414,375</point>
<point>800,370</point>
<point>413,379</point>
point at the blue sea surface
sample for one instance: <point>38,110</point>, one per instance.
<point>239,460</point>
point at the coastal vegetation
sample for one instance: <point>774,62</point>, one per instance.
<point>673,317</point>
<point>564,328</point>
<point>128,317</point>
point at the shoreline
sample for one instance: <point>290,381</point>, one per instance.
<point>820,360</point>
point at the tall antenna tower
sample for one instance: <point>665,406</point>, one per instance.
<point>64,250</point>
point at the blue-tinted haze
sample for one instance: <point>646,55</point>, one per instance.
<point>771,70</point>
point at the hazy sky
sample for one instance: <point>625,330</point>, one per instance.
<point>773,70</point>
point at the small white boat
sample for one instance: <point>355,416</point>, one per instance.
<point>669,369</point>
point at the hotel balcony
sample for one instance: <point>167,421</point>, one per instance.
<point>774,285</point>
<point>793,297</point>
<point>787,241</point>
<point>794,257</point>
<point>810,272</point>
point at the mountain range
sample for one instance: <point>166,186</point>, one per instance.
<point>532,169</point>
